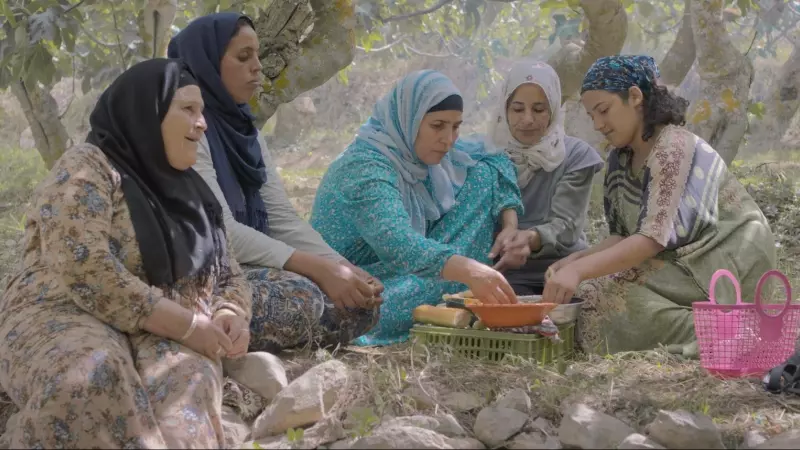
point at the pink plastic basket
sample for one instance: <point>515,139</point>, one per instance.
<point>745,339</point>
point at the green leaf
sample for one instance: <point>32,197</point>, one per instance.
<point>38,65</point>
<point>5,11</point>
<point>553,4</point>
<point>744,6</point>
<point>646,9</point>
<point>757,109</point>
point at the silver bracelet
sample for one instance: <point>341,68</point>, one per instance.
<point>191,328</point>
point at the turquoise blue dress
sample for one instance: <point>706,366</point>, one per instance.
<point>359,212</point>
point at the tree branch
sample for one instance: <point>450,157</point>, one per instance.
<point>421,12</point>
<point>608,25</point>
<point>328,48</point>
<point>681,55</point>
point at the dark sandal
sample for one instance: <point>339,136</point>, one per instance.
<point>784,378</point>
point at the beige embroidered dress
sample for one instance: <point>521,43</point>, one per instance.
<point>73,357</point>
<point>686,200</point>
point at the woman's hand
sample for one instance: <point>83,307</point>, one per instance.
<point>238,331</point>
<point>561,285</point>
<point>344,286</point>
<point>563,262</point>
<point>208,338</point>
<point>377,286</point>
<point>515,249</point>
<point>489,285</point>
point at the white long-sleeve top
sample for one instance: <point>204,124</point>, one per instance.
<point>287,231</point>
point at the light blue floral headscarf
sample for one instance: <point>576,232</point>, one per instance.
<point>392,130</point>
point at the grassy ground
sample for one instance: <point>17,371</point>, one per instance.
<point>631,386</point>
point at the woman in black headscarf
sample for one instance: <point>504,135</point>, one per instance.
<point>302,289</point>
<point>126,298</point>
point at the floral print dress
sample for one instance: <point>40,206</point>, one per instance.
<point>685,199</point>
<point>73,356</point>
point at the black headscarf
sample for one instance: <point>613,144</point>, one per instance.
<point>232,136</point>
<point>177,219</point>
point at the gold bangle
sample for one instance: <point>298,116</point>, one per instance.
<point>192,326</point>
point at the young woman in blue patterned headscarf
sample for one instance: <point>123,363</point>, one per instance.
<point>675,215</point>
<point>416,207</point>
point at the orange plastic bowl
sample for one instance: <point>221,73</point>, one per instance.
<point>516,315</point>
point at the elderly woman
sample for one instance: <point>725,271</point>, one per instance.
<point>303,291</point>
<point>675,214</point>
<point>126,297</point>
<point>554,171</point>
<point>415,207</point>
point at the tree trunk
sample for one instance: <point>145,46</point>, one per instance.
<point>155,24</point>
<point>41,111</point>
<point>781,104</point>
<point>719,113</point>
<point>681,54</point>
<point>294,63</point>
<point>608,27</point>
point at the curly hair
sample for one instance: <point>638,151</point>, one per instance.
<point>661,107</point>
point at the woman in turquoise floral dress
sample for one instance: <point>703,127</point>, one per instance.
<point>417,208</point>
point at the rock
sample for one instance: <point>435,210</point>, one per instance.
<point>304,401</point>
<point>515,399</point>
<point>494,424</point>
<point>584,427</point>
<point>401,438</point>
<point>542,425</point>
<point>324,432</point>
<point>684,430</point>
<point>466,443</point>
<point>261,372</point>
<point>753,438</point>
<point>535,440</point>
<point>462,401</point>
<point>445,424</point>
<point>637,440</point>
<point>788,439</point>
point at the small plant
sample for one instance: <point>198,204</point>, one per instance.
<point>365,420</point>
<point>294,436</point>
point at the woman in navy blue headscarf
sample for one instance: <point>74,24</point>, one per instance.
<point>299,282</point>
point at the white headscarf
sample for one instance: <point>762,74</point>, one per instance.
<point>549,152</point>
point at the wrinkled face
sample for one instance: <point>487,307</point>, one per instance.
<point>437,133</point>
<point>240,68</point>
<point>183,126</point>
<point>528,113</point>
<point>619,120</point>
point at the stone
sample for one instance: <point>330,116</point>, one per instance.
<point>534,440</point>
<point>444,424</point>
<point>515,399</point>
<point>637,440</point>
<point>753,438</point>
<point>495,424</point>
<point>788,439</point>
<point>401,438</point>
<point>684,430</point>
<point>261,372</point>
<point>583,427</point>
<point>304,401</point>
<point>466,443</point>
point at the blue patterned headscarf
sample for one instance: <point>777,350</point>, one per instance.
<point>392,130</point>
<point>618,73</point>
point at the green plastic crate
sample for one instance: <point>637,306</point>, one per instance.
<point>494,346</point>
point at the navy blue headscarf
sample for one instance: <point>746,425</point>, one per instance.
<point>619,72</point>
<point>232,136</point>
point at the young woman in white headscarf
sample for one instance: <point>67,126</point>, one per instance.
<point>554,171</point>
